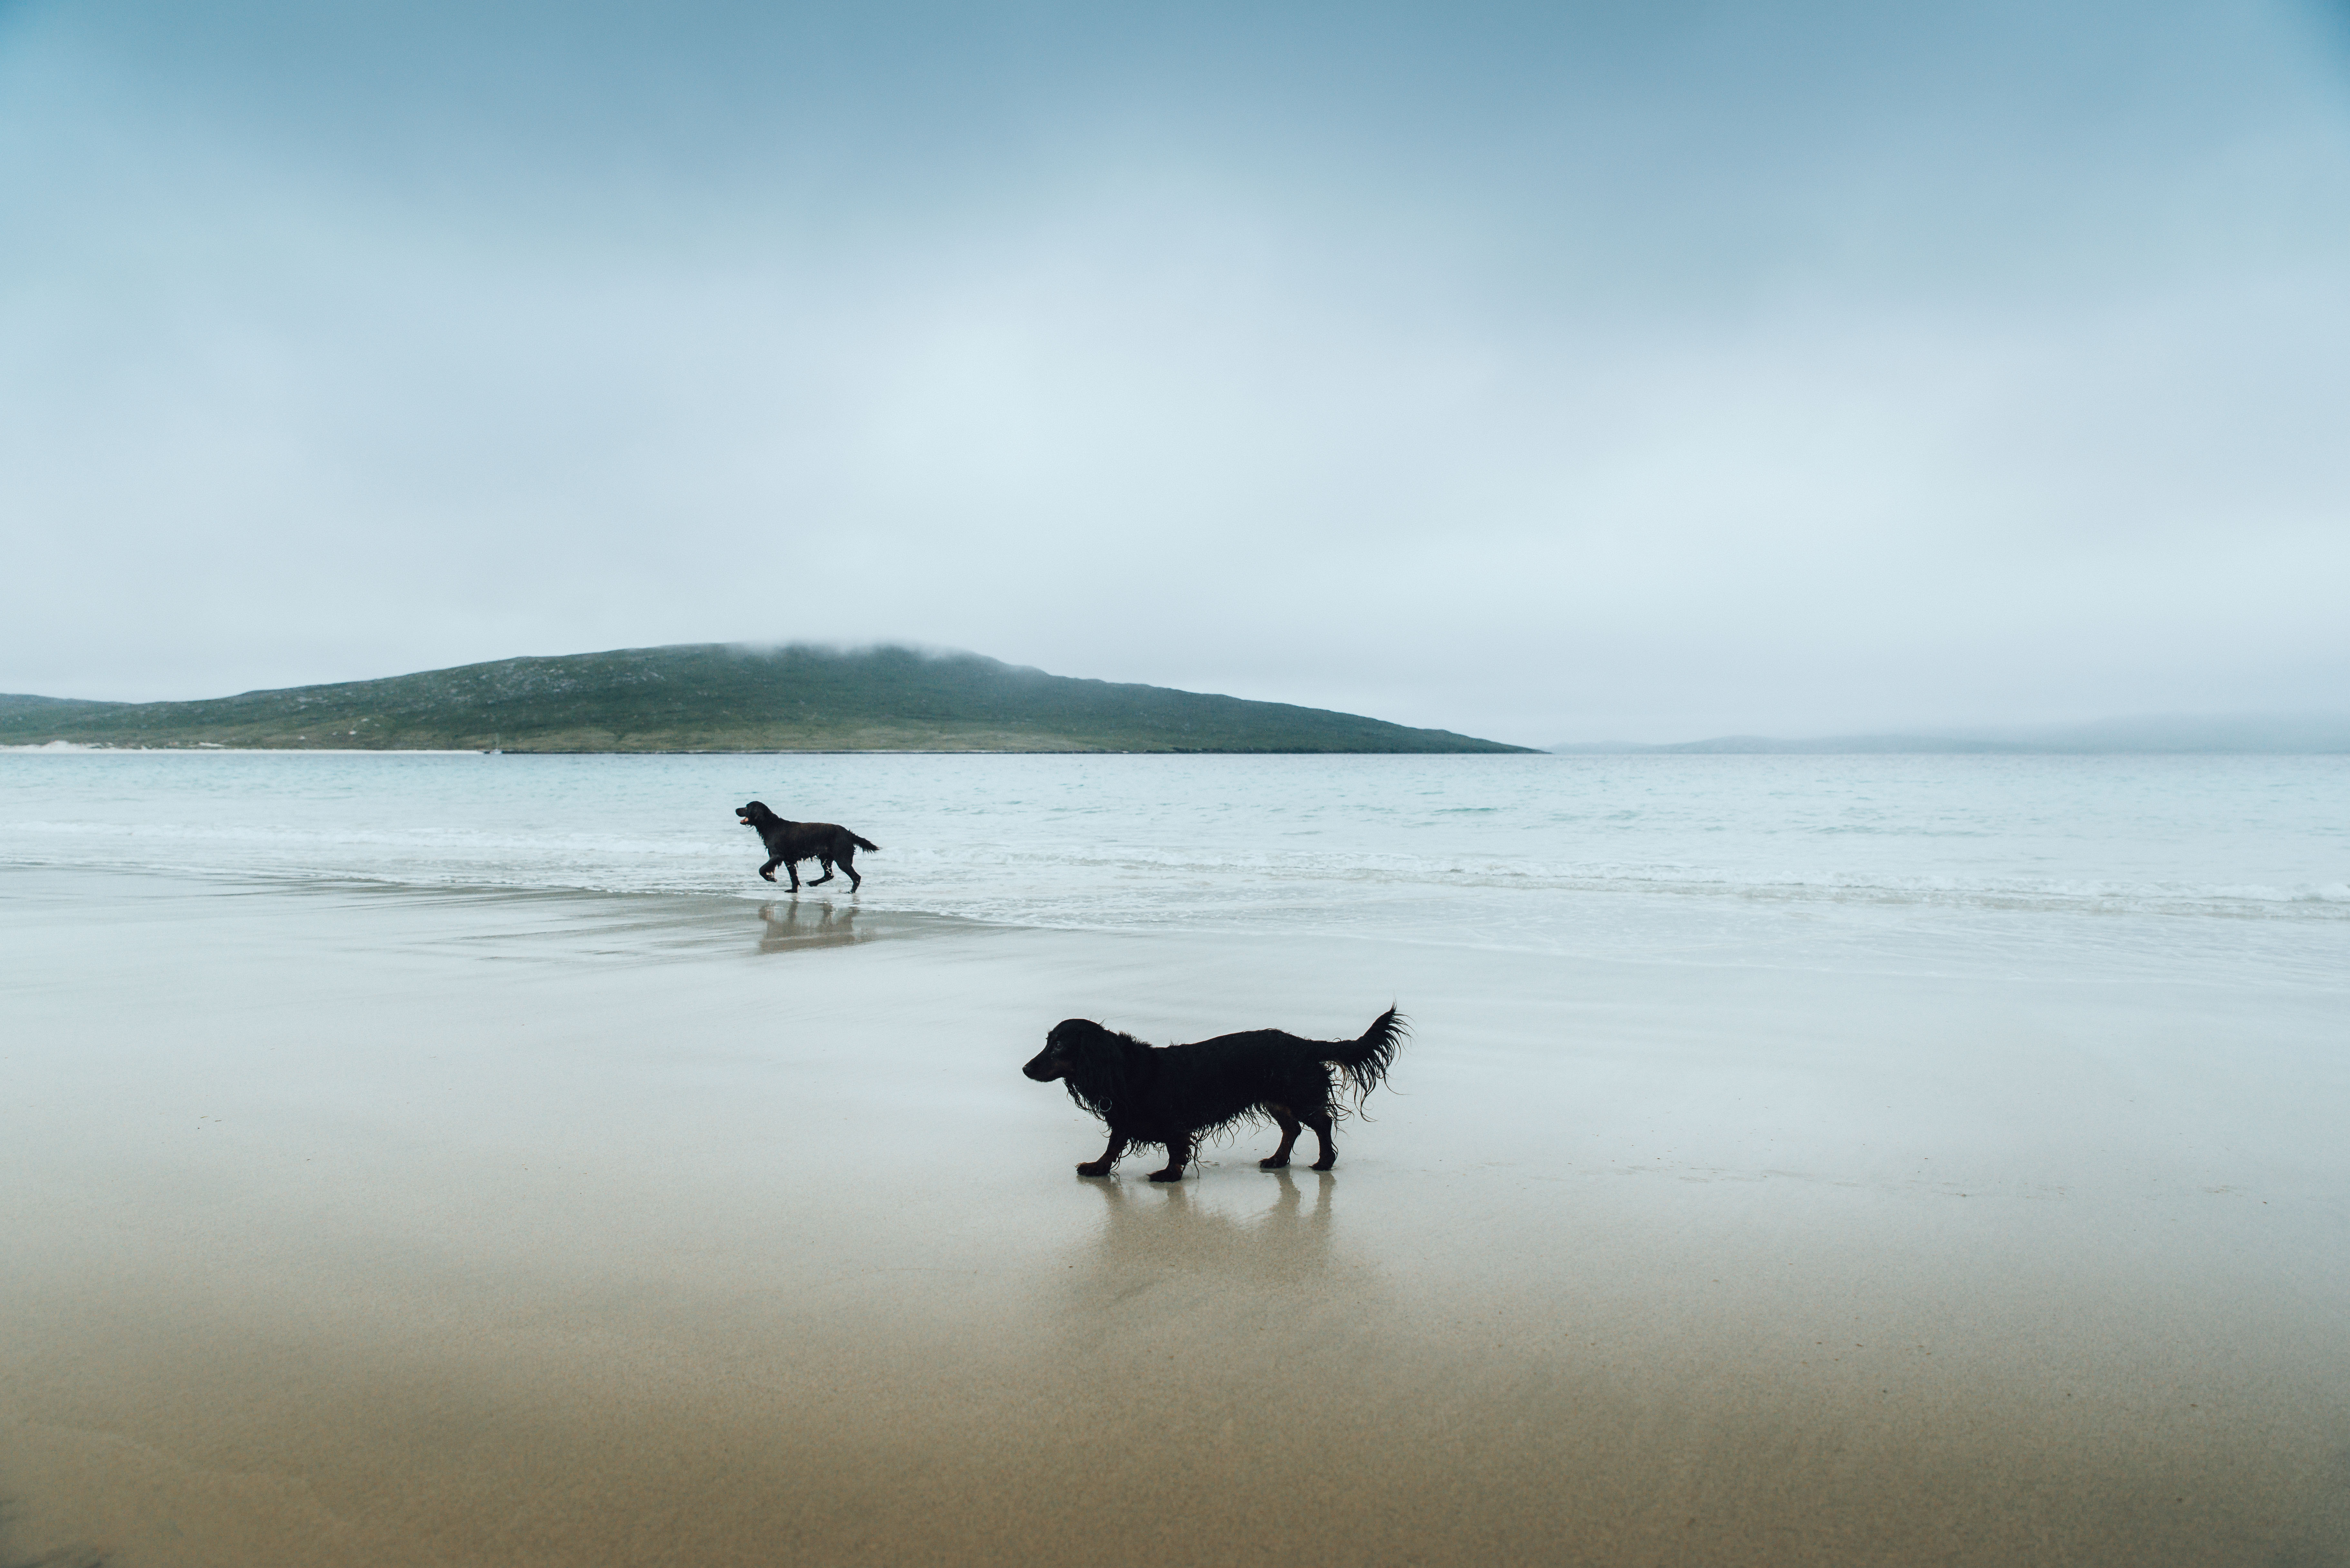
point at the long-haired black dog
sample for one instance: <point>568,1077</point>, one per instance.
<point>1171,1094</point>
<point>789,842</point>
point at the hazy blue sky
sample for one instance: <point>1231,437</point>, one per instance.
<point>1638,371</point>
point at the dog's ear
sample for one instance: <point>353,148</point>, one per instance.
<point>1092,1061</point>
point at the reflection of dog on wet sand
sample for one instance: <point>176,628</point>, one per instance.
<point>1171,1094</point>
<point>789,842</point>
<point>792,926</point>
<point>1170,1231</point>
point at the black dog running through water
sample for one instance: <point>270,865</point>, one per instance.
<point>1171,1094</point>
<point>789,842</point>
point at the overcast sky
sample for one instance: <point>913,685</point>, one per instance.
<point>1639,370</point>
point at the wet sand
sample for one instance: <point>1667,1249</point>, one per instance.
<point>361,1227</point>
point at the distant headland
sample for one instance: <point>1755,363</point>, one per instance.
<point>2304,734</point>
<point>714,697</point>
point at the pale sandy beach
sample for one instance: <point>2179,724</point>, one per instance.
<point>356,1226</point>
<point>1769,576</point>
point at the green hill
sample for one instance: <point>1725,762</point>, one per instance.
<point>716,698</point>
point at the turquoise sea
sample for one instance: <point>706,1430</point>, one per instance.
<point>2231,867</point>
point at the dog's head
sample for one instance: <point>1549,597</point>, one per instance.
<point>755,814</point>
<point>1092,1062</point>
<point>1073,1042</point>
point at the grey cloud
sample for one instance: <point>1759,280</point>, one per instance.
<point>1636,371</point>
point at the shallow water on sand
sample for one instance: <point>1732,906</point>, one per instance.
<point>359,1224</point>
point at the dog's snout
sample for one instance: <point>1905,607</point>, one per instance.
<point>1043,1067</point>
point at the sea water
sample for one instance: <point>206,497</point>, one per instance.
<point>2230,870</point>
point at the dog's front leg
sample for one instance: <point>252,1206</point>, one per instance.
<point>768,870</point>
<point>1178,1154</point>
<point>1109,1157</point>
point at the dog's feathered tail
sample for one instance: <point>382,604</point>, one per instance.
<point>864,843</point>
<point>1365,1062</point>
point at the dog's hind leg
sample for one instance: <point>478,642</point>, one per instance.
<point>826,864</point>
<point>1109,1157</point>
<point>848,863</point>
<point>1288,1125</point>
<point>1178,1154</point>
<point>1320,1123</point>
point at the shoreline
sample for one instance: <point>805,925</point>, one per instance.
<point>76,748</point>
<point>1572,753</point>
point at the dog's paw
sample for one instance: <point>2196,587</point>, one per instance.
<point>1094,1168</point>
<point>1273,1164</point>
<point>770,875</point>
<point>1324,1164</point>
<point>1166,1176</point>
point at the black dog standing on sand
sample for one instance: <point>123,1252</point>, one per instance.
<point>1171,1095</point>
<point>789,842</point>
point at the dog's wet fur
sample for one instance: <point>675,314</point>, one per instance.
<point>789,842</point>
<point>1173,1095</point>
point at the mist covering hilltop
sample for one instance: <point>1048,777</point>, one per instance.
<point>714,697</point>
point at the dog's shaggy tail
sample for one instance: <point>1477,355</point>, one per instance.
<point>865,844</point>
<point>1365,1062</point>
